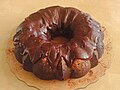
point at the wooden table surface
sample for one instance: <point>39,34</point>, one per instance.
<point>107,12</point>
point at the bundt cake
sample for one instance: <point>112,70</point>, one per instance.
<point>58,43</point>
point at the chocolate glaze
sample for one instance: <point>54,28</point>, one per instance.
<point>48,60</point>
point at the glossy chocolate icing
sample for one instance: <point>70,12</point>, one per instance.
<point>48,60</point>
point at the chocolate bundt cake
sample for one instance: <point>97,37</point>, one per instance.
<point>58,43</point>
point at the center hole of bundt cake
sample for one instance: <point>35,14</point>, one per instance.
<point>62,35</point>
